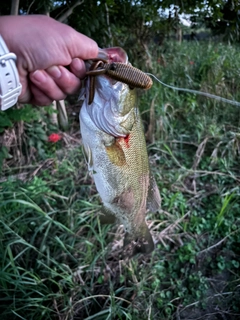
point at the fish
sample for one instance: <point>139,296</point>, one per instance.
<point>116,154</point>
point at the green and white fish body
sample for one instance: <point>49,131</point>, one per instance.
<point>115,148</point>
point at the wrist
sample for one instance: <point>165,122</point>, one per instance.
<point>10,87</point>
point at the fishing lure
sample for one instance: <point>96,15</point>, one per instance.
<point>118,71</point>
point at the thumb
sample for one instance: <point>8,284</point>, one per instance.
<point>82,47</point>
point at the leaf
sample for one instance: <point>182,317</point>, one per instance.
<point>4,120</point>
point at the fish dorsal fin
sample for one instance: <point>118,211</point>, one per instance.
<point>153,198</point>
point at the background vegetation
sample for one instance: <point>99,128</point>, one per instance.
<point>57,261</point>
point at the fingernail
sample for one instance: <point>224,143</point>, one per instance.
<point>77,64</point>
<point>38,76</point>
<point>54,72</point>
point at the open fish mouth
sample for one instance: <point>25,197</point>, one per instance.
<point>115,54</point>
<point>108,55</point>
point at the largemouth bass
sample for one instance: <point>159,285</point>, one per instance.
<point>116,154</point>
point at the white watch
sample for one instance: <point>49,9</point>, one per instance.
<point>10,87</point>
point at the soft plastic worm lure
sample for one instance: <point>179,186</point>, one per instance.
<point>125,73</point>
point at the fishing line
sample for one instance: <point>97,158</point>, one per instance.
<point>206,94</point>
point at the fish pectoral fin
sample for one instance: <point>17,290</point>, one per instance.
<point>142,242</point>
<point>153,198</point>
<point>116,154</point>
<point>107,217</point>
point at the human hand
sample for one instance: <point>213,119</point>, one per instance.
<point>49,54</point>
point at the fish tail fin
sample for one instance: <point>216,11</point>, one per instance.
<point>142,242</point>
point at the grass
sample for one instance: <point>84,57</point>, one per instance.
<point>59,262</point>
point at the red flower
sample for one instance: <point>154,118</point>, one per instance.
<point>54,137</point>
<point>191,62</point>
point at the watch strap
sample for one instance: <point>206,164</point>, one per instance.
<point>10,87</point>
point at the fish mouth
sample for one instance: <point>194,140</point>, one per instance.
<point>108,55</point>
<point>114,54</point>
